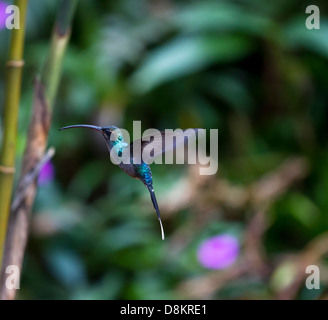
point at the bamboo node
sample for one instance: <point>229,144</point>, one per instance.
<point>7,170</point>
<point>15,63</point>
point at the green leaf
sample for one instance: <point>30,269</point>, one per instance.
<point>221,17</point>
<point>184,56</point>
<point>315,40</point>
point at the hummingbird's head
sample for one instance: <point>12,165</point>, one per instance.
<point>111,133</point>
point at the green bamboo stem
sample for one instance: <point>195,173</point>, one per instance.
<point>11,106</point>
<point>51,72</point>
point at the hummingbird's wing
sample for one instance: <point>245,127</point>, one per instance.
<point>155,143</point>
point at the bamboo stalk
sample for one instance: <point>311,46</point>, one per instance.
<point>11,106</point>
<point>44,94</point>
<point>61,34</point>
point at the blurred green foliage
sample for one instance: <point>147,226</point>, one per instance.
<point>249,68</point>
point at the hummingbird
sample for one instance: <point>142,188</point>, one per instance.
<point>139,169</point>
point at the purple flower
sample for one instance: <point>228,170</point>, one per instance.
<point>47,173</point>
<point>3,14</point>
<point>218,252</point>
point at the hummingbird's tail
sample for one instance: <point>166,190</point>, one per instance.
<point>153,199</point>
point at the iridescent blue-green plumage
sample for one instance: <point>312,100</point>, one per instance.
<point>144,174</point>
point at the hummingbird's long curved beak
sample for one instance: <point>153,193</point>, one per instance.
<point>82,126</point>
